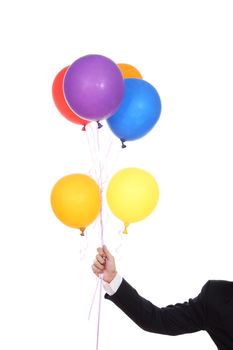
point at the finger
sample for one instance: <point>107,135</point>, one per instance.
<point>96,270</point>
<point>101,251</point>
<point>107,252</point>
<point>100,259</point>
<point>98,265</point>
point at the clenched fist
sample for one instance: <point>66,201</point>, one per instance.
<point>104,264</point>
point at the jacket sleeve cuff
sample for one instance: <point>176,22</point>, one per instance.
<point>112,287</point>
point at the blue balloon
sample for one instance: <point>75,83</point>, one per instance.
<point>138,112</point>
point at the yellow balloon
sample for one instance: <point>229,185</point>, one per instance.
<point>129,71</point>
<point>132,195</point>
<point>76,200</point>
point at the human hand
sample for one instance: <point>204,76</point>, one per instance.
<point>104,264</point>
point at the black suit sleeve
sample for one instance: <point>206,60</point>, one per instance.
<point>175,319</point>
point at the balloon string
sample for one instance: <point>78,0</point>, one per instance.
<point>109,149</point>
<point>89,142</point>
<point>100,181</point>
<point>120,245</point>
<point>99,313</point>
<point>98,157</point>
<point>110,159</point>
<point>102,161</point>
<point>101,219</point>
<point>93,299</point>
<point>83,249</point>
<point>100,171</point>
<point>101,189</point>
<point>96,166</point>
<point>99,281</point>
<point>92,152</point>
<point>110,168</point>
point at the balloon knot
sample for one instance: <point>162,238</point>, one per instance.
<point>99,124</point>
<point>125,229</point>
<point>82,229</point>
<point>123,145</point>
<point>84,128</point>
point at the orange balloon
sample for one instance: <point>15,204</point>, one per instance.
<point>129,71</point>
<point>60,102</point>
<point>76,200</point>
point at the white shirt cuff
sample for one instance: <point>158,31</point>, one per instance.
<point>113,286</point>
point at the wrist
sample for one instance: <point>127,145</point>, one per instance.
<point>110,277</point>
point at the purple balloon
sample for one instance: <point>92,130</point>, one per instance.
<point>93,87</point>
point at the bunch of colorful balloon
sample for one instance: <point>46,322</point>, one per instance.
<point>92,89</point>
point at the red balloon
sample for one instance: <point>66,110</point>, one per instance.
<point>60,102</point>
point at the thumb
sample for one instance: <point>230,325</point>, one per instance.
<point>107,252</point>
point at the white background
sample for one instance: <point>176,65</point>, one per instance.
<point>183,48</point>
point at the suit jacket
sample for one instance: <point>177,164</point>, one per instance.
<point>211,310</point>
